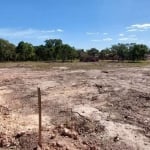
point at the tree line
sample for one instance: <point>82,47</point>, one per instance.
<point>121,52</point>
<point>55,49</point>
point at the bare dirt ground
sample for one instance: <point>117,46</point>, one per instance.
<point>82,109</point>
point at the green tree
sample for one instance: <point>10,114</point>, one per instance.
<point>79,53</point>
<point>121,51</point>
<point>138,52</point>
<point>53,43</point>
<point>66,52</point>
<point>93,52</point>
<point>25,51</point>
<point>7,50</point>
<point>105,54</point>
<point>53,46</point>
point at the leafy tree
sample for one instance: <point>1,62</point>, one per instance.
<point>120,50</point>
<point>72,54</point>
<point>39,54</point>
<point>25,51</point>
<point>79,53</point>
<point>43,53</point>
<point>105,54</point>
<point>53,46</point>
<point>93,52</point>
<point>7,50</point>
<point>67,52</point>
<point>53,43</point>
<point>138,52</point>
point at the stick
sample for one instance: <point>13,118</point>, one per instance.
<point>40,117</point>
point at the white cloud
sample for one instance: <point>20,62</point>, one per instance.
<point>132,35</point>
<point>34,36</point>
<point>121,34</point>
<point>132,30</point>
<point>96,40</point>
<point>47,31</point>
<point>60,30</point>
<point>92,33</point>
<point>133,39</point>
<point>138,27</point>
<point>105,33</point>
<point>102,40</point>
<point>16,33</point>
<point>43,37</point>
<point>124,39</point>
<point>128,39</point>
<point>27,33</point>
<point>141,26</point>
<point>107,39</point>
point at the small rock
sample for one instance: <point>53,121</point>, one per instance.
<point>69,133</point>
<point>116,138</point>
<point>53,144</point>
<point>18,135</point>
<point>147,135</point>
<point>92,148</point>
<point>73,84</point>
<point>59,144</point>
<point>105,71</point>
<point>94,98</point>
<point>52,136</point>
<point>84,142</point>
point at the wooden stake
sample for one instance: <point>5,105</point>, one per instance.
<point>40,117</point>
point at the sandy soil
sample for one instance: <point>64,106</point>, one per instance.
<point>81,109</point>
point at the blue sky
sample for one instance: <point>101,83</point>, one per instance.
<point>80,23</point>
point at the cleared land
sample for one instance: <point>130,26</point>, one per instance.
<point>85,106</point>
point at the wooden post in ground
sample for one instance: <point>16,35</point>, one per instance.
<point>40,117</point>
